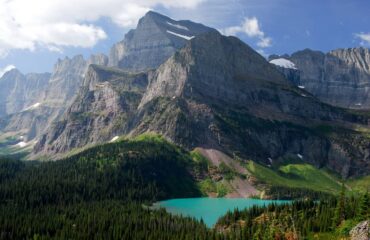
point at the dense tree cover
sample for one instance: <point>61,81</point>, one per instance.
<point>146,170</point>
<point>98,194</point>
<point>297,220</point>
<point>108,219</point>
<point>102,193</point>
<point>289,193</point>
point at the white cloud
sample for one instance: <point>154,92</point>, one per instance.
<point>365,38</point>
<point>54,24</point>
<point>250,27</point>
<point>264,42</point>
<point>6,69</point>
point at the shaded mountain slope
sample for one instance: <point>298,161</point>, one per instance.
<point>340,77</point>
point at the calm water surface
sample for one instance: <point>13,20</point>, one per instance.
<point>210,209</point>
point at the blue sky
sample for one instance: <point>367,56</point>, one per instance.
<point>284,25</point>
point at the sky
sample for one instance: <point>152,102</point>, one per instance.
<point>35,33</point>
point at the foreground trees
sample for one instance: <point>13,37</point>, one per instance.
<point>102,193</point>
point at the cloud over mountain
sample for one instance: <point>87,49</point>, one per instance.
<point>252,28</point>
<point>56,24</point>
<point>364,37</point>
<point>6,69</point>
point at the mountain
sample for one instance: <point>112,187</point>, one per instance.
<point>107,98</point>
<point>340,77</point>
<point>215,93</point>
<point>67,78</point>
<point>34,101</point>
<point>155,39</point>
<point>19,92</point>
<point>218,93</point>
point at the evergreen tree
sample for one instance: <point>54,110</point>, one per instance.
<point>364,208</point>
<point>340,209</point>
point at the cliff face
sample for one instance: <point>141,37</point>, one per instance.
<point>19,92</point>
<point>340,77</point>
<point>218,93</point>
<point>106,100</point>
<point>212,68</point>
<point>155,39</point>
<point>34,101</point>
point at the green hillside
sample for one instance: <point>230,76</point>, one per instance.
<point>296,176</point>
<point>361,184</point>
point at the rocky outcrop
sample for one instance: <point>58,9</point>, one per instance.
<point>340,77</point>
<point>66,80</point>
<point>106,100</point>
<point>361,231</point>
<point>155,39</point>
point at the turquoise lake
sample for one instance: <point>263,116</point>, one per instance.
<point>210,209</point>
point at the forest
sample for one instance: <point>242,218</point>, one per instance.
<point>104,193</point>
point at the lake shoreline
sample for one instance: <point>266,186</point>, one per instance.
<point>209,209</point>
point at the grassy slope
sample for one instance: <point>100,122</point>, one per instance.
<point>360,184</point>
<point>9,149</point>
<point>296,176</point>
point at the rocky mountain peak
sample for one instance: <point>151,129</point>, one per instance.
<point>19,91</point>
<point>11,74</point>
<point>211,65</point>
<point>99,59</point>
<point>75,64</point>
<point>155,39</point>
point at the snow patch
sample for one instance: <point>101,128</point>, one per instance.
<point>21,144</point>
<point>178,26</point>
<point>180,35</point>
<point>301,87</point>
<point>282,62</point>
<point>358,104</point>
<point>34,106</point>
<point>114,139</point>
<point>300,156</point>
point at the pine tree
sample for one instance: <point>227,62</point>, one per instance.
<point>339,215</point>
<point>364,209</point>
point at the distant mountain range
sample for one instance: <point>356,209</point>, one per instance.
<point>199,89</point>
<point>340,77</point>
